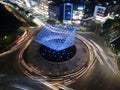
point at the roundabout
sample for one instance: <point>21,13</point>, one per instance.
<point>36,66</point>
<point>56,68</point>
<point>87,64</point>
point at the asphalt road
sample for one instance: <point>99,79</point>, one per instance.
<point>11,77</point>
<point>101,76</point>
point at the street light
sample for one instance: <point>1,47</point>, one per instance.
<point>80,8</point>
<point>107,3</point>
<point>114,2</point>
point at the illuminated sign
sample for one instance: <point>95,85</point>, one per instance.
<point>68,8</point>
<point>99,11</point>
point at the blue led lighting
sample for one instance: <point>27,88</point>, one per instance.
<point>57,37</point>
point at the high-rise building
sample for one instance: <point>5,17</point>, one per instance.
<point>54,11</point>
<point>67,12</point>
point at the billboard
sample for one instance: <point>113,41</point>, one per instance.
<point>99,11</point>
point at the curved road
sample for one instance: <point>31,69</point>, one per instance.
<point>103,75</point>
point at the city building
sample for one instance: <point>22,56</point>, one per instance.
<point>78,12</point>
<point>44,9</point>
<point>54,11</point>
<point>67,12</point>
<point>106,10</point>
<point>100,13</point>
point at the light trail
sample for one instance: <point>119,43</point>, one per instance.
<point>98,57</point>
<point>63,87</point>
<point>17,44</point>
<point>40,80</point>
<point>21,87</point>
<point>48,84</point>
<point>68,79</point>
<point>93,47</point>
<point>99,53</point>
<point>103,55</point>
<point>2,75</point>
<point>97,46</point>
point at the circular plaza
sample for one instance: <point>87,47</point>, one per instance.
<point>32,56</point>
<point>37,60</point>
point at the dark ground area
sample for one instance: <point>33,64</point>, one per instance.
<point>9,25</point>
<point>57,56</point>
<point>8,22</point>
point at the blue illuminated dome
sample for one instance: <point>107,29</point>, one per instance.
<point>57,37</point>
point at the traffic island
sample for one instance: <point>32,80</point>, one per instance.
<point>37,65</point>
<point>54,57</point>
